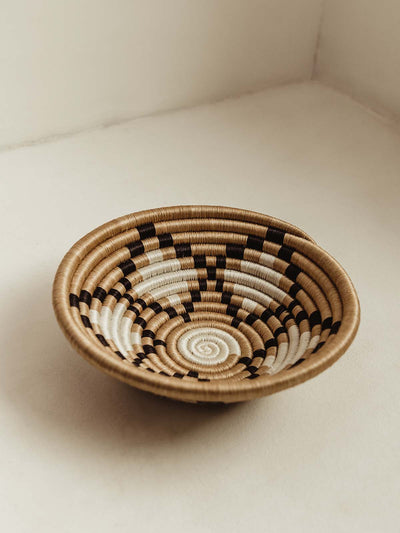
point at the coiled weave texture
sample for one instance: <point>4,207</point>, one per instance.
<point>204,303</point>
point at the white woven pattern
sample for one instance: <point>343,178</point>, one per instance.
<point>166,279</point>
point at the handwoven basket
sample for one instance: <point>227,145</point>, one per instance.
<point>204,303</point>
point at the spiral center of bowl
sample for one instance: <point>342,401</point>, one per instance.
<point>207,346</point>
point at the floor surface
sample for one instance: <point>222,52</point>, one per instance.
<point>80,451</point>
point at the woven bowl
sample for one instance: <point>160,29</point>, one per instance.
<point>204,303</point>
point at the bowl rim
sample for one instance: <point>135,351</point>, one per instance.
<point>210,391</point>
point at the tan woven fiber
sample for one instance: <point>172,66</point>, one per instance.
<point>205,303</point>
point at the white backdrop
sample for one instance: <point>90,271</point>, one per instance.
<point>74,64</point>
<point>360,51</point>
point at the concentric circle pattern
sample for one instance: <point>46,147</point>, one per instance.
<point>205,303</point>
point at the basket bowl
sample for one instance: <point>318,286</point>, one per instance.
<point>205,303</point>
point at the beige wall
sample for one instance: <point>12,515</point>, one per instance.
<point>73,64</point>
<point>359,51</point>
